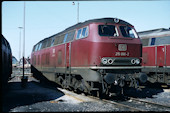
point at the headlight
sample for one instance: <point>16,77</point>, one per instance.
<point>137,61</point>
<point>104,60</point>
<point>133,61</point>
<point>110,61</point>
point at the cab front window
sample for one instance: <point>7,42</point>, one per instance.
<point>107,30</point>
<point>128,32</point>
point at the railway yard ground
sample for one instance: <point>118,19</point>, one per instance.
<point>41,97</point>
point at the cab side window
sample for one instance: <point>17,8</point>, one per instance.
<point>82,33</point>
<point>153,41</point>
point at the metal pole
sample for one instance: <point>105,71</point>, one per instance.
<point>20,44</point>
<point>24,79</point>
<point>24,39</point>
<point>78,12</point>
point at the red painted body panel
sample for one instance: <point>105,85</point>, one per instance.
<point>148,56</point>
<point>90,50</point>
<point>87,51</point>
<point>57,54</point>
<point>158,54</point>
<point>80,53</point>
<point>167,55</point>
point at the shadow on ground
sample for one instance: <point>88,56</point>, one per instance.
<point>148,91</point>
<point>34,92</point>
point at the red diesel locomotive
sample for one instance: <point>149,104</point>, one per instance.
<point>156,55</point>
<point>99,56</point>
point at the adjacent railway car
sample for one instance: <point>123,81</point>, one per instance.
<point>156,55</point>
<point>99,56</point>
<point>6,57</point>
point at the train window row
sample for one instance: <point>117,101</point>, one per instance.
<point>69,36</point>
<point>156,41</point>
<point>63,38</point>
<point>59,39</point>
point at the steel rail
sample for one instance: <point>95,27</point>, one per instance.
<point>123,105</point>
<point>148,102</point>
<point>117,103</point>
<point>96,98</point>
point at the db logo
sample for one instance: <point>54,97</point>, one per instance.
<point>122,47</point>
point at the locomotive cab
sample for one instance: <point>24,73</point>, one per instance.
<point>117,55</point>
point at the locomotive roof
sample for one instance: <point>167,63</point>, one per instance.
<point>81,24</point>
<point>154,33</point>
<point>104,20</point>
<point>154,30</point>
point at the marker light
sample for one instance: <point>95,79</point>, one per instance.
<point>137,61</point>
<point>110,61</point>
<point>133,61</point>
<point>104,60</point>
<point>116,20</point>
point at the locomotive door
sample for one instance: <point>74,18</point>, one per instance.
<point>68,55</point>
<point>67,63</point>
<point>160,55</point>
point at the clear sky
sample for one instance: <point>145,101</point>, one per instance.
<point>46,18</point>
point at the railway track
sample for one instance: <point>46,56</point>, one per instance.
<point>153,106</point>
<point>92,98</point>
<point>133,104</point>
<point>120,105</point>
<point>143,105</point>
